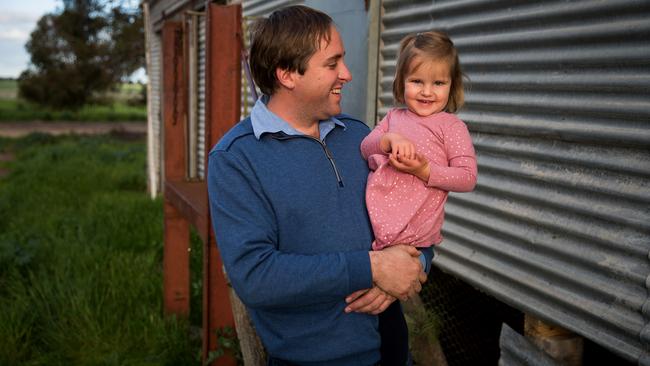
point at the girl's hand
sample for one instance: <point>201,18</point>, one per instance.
<point>418,166</point>
<point>373,301</point>
<point>397,145</point>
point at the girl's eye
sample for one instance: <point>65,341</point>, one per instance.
<point>440,83</point>
<point>416,81</point>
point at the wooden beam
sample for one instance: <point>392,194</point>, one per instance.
<point>189,198</point>
<point>174,101</point>
<point>223,85</point>
<point>176,258</point>
<point>561,344</point>
<point>176,278</point>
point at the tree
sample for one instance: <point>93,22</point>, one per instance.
<point>85,49</point>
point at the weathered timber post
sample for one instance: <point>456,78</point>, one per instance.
<point>176,281</point>
<point>223,98</point>
<point>561,344</point>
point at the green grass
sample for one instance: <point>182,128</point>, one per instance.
<point>80,258</point>
<point>118,105</point>
<point>8,89</point>
<point>7,84</point>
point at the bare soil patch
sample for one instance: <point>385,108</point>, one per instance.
<point>20,129</point>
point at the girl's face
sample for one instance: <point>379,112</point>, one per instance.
<point>427,86</point>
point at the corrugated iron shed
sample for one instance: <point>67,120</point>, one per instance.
<point>559,111</point>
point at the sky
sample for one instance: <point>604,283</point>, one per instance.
<point>17,20</point>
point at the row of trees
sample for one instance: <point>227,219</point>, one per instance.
<point>87,47</point>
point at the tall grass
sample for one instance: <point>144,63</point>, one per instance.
<point>80,258</point>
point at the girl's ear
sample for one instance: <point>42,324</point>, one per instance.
<point>285,78</point>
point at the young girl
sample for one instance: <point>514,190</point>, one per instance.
<point>419,153</point>
<point>416,156</point>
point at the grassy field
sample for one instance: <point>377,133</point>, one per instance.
<point>8,89</point>
<point>119,105</point>
<point>80,258</point>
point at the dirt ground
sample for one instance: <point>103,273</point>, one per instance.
<point>20,129</point>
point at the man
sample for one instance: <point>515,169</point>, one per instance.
<point>286,189</point>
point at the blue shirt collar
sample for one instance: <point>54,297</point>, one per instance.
<point>265,121</point>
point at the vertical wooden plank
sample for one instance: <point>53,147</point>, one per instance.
<point>224,65</point>
<point>174,100</point>
<point>223,83</point>
<point>176,281</point>
<point>561,344</point>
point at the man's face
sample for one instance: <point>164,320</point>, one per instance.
<point>319,88</point>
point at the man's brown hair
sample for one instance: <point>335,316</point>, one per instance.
<point>286,39</point>
<point>429,46</point>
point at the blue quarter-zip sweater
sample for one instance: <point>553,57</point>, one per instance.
<point>291,225</point>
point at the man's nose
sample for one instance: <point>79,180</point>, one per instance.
<point>344,73</point>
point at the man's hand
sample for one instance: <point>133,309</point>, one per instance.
<point>398,271</point>
<point>373,301</point>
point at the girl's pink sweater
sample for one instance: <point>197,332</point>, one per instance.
<point>403,209</point>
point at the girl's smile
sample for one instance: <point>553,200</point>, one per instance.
<point>427,86</point>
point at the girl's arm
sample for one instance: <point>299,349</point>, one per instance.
<point>460,174</point>
<point>371,144</point>
<point>380,141</point>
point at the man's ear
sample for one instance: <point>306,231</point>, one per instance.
<point>285,78</point>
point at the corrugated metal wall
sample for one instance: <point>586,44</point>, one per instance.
<point>517,350</point>
<point>559,111</point>
<point>195,23</point>
<point>191,39</point>
<point>163,8</point>
<point>154,77</point>
<point>201,98</point>
<point>157,11</point>
<point>265,7</point>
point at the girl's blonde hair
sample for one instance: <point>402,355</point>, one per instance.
<point>429,46</point>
